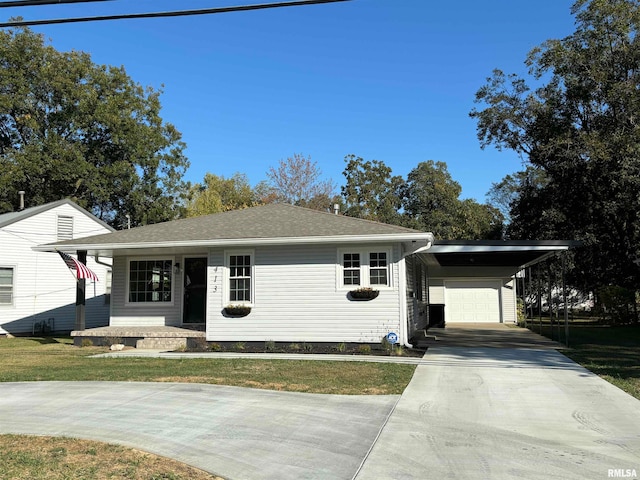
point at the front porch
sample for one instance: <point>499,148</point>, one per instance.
<point>155,337</point>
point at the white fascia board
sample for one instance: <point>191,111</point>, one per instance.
<point>495,248</point>
<point>386,238</point>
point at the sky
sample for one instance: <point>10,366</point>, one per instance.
<point>389,80</point>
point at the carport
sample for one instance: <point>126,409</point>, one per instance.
<point>474,281</point>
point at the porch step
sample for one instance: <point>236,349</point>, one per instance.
<point>161,343</point>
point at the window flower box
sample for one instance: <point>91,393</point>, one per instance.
<point>364,293</point>
<point>236,310</point>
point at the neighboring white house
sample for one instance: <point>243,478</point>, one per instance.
<point>37,290</point>
<point>297,270</point>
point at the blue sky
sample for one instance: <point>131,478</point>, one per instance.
<point>391,80</point>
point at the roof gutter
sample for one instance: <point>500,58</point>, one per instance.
<point>425,238</point>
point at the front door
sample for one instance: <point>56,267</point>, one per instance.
<point>195,290</point>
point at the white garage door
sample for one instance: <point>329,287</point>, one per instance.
<point>472,301</point>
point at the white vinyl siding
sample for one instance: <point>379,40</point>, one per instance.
<point>43,287</point>
<point>6,285</point>
<point>296,300</point>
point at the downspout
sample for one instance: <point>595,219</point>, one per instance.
<point>97,260</point>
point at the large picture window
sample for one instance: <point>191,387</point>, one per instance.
<point>240,281</point>
<point>364,268</point>
<point>150,281</point>
<point>6,286</point>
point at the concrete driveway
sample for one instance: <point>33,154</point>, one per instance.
<point>233,432</point>
<point>502,413</point>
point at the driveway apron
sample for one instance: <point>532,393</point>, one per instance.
<point>235,433</point>
<point>505,413</point>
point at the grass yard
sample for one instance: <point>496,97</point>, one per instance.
<point>56,458</point>
<point>610,352</point>
<point>49,358</point>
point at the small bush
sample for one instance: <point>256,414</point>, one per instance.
<point>200,344</point>
<point>108,341</point>
<point>215,347</point>
<point>364,349</point>
<point>239,346</point>
<point>341,347</point>
<point>386,346</point>
<point>86,342</point>
<point>398,351</point>
<point>307,347</point>
<point>269,346</point>
<point>295,347</point>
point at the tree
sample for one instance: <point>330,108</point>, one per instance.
<point>431,202</point>
<point>72,128</point>
<point>371,192</point>
<point>296,180</point>
<point>581,127</point>
<point>219,194</point>
<point>504,195</point>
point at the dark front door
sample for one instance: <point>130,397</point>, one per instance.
<point>195,290</point>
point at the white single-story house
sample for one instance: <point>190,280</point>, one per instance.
<point>37,290</point>
<point>299,274</point>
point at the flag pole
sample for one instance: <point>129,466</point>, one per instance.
<point>80,294</point>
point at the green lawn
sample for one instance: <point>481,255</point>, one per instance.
<point>611,352</point>
<point>52,358</point>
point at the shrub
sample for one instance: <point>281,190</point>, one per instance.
<point>86,342</point>
<point>341,347</point>
<point>215,347</point>
<point>269,346</point>
<point>294,347</point>
<point>239,346</point>
<point>364,349</point>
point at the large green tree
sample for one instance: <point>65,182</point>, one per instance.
<point>371,192</point>
<point>431,201</point>
<point>219,194</point>
<point>428,199</point>
<point>72,128</point>
<point>581,126</point>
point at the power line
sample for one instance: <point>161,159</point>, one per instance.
<point>176,13</point>
<point>33,3</point>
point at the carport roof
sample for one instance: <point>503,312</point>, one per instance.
<point>495,253</point>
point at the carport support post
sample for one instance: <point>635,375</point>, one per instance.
<point>564,300</point>
<point>550,299</point>
<point>80,294</point>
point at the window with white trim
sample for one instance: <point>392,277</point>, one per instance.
<point>378,268</point>
<point>150,281</point>
<point>6,286</point>
<point>364,268</point>
<point>351,268</point>
<point>240,278</point>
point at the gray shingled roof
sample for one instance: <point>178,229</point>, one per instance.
<point>274,221</point>
<point>12,217</point>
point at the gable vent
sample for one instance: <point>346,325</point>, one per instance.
<point>65,227</point>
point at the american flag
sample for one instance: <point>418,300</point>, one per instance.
<point>82,271</point>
